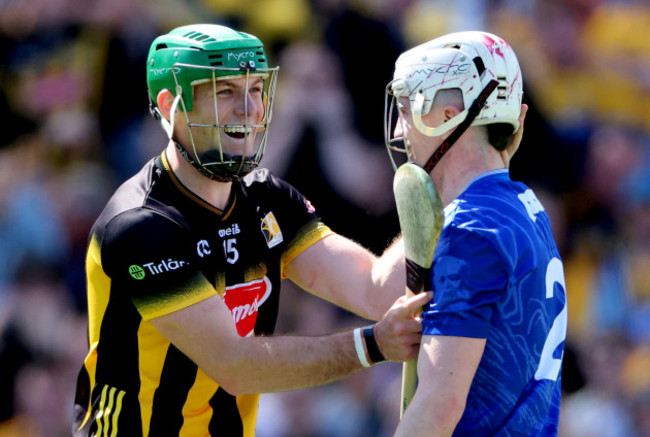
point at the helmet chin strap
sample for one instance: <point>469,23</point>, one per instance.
<point>472,113</point>
<point>168,126</point>
<point>199,167</point>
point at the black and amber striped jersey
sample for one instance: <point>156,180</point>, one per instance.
<point>157,248</point>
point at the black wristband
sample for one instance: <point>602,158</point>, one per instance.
<point>374,353</point>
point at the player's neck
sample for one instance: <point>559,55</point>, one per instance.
<point>215,193</point>
<point>462,164</point>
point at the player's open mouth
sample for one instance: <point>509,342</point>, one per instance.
<point>237,132</point>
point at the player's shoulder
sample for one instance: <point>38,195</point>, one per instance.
<point>488,217</point>
<point>261,176</point>
<point>139,231</point>
<point>263,182</point>
<point>134,209</point>
<point>496,192</point>
<point>490,203</point>
<point>269,192</point>
<point>133,191</point>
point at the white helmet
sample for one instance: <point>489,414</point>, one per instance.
<point>467,61</point>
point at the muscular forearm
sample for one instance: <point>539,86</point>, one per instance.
<point>263,364</point>
<point>340,271</point>
<point>269,364</point>
<point>206,334</point>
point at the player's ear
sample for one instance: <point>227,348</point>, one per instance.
<point>165,99</point>
<point>451,111</point>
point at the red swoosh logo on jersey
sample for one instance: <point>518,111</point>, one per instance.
<point>244,300</point>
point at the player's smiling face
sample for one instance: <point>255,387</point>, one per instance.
<point>239,108</point>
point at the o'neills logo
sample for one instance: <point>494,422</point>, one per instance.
<point>244,300</point>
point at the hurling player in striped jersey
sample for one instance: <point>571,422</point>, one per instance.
<point>185,263</point>
<point>493,334</point>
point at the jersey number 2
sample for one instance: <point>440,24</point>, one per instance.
<point>549,367</point>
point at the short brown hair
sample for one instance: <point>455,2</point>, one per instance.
<point>500,134</point>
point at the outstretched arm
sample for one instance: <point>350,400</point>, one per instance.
<point>205,332</point>
<point>344,273</point>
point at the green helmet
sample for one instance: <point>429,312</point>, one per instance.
<point>195,54</point>
<point>173,58</point>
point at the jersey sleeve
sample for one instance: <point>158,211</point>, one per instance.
<point>150,260</point>
<point>468,277</point>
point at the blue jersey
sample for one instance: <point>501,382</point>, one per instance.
<point>497,275</point>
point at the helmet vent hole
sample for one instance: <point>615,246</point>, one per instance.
<point>199,36</point>
<point>161,46</point>
<point>502,92</point>
<point>216,59</point>
<point>480,66</point>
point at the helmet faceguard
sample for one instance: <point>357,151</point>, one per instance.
<point>192,55</point>
<point>476,64</point>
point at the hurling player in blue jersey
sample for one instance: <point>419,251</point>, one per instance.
<point>493,334</point>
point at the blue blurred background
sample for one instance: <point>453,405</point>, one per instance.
<point>74,111</point>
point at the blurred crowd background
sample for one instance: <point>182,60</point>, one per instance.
<point>74,112</point>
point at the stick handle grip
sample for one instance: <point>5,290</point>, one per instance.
<point>415,276</point>
<point>409,383</point>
